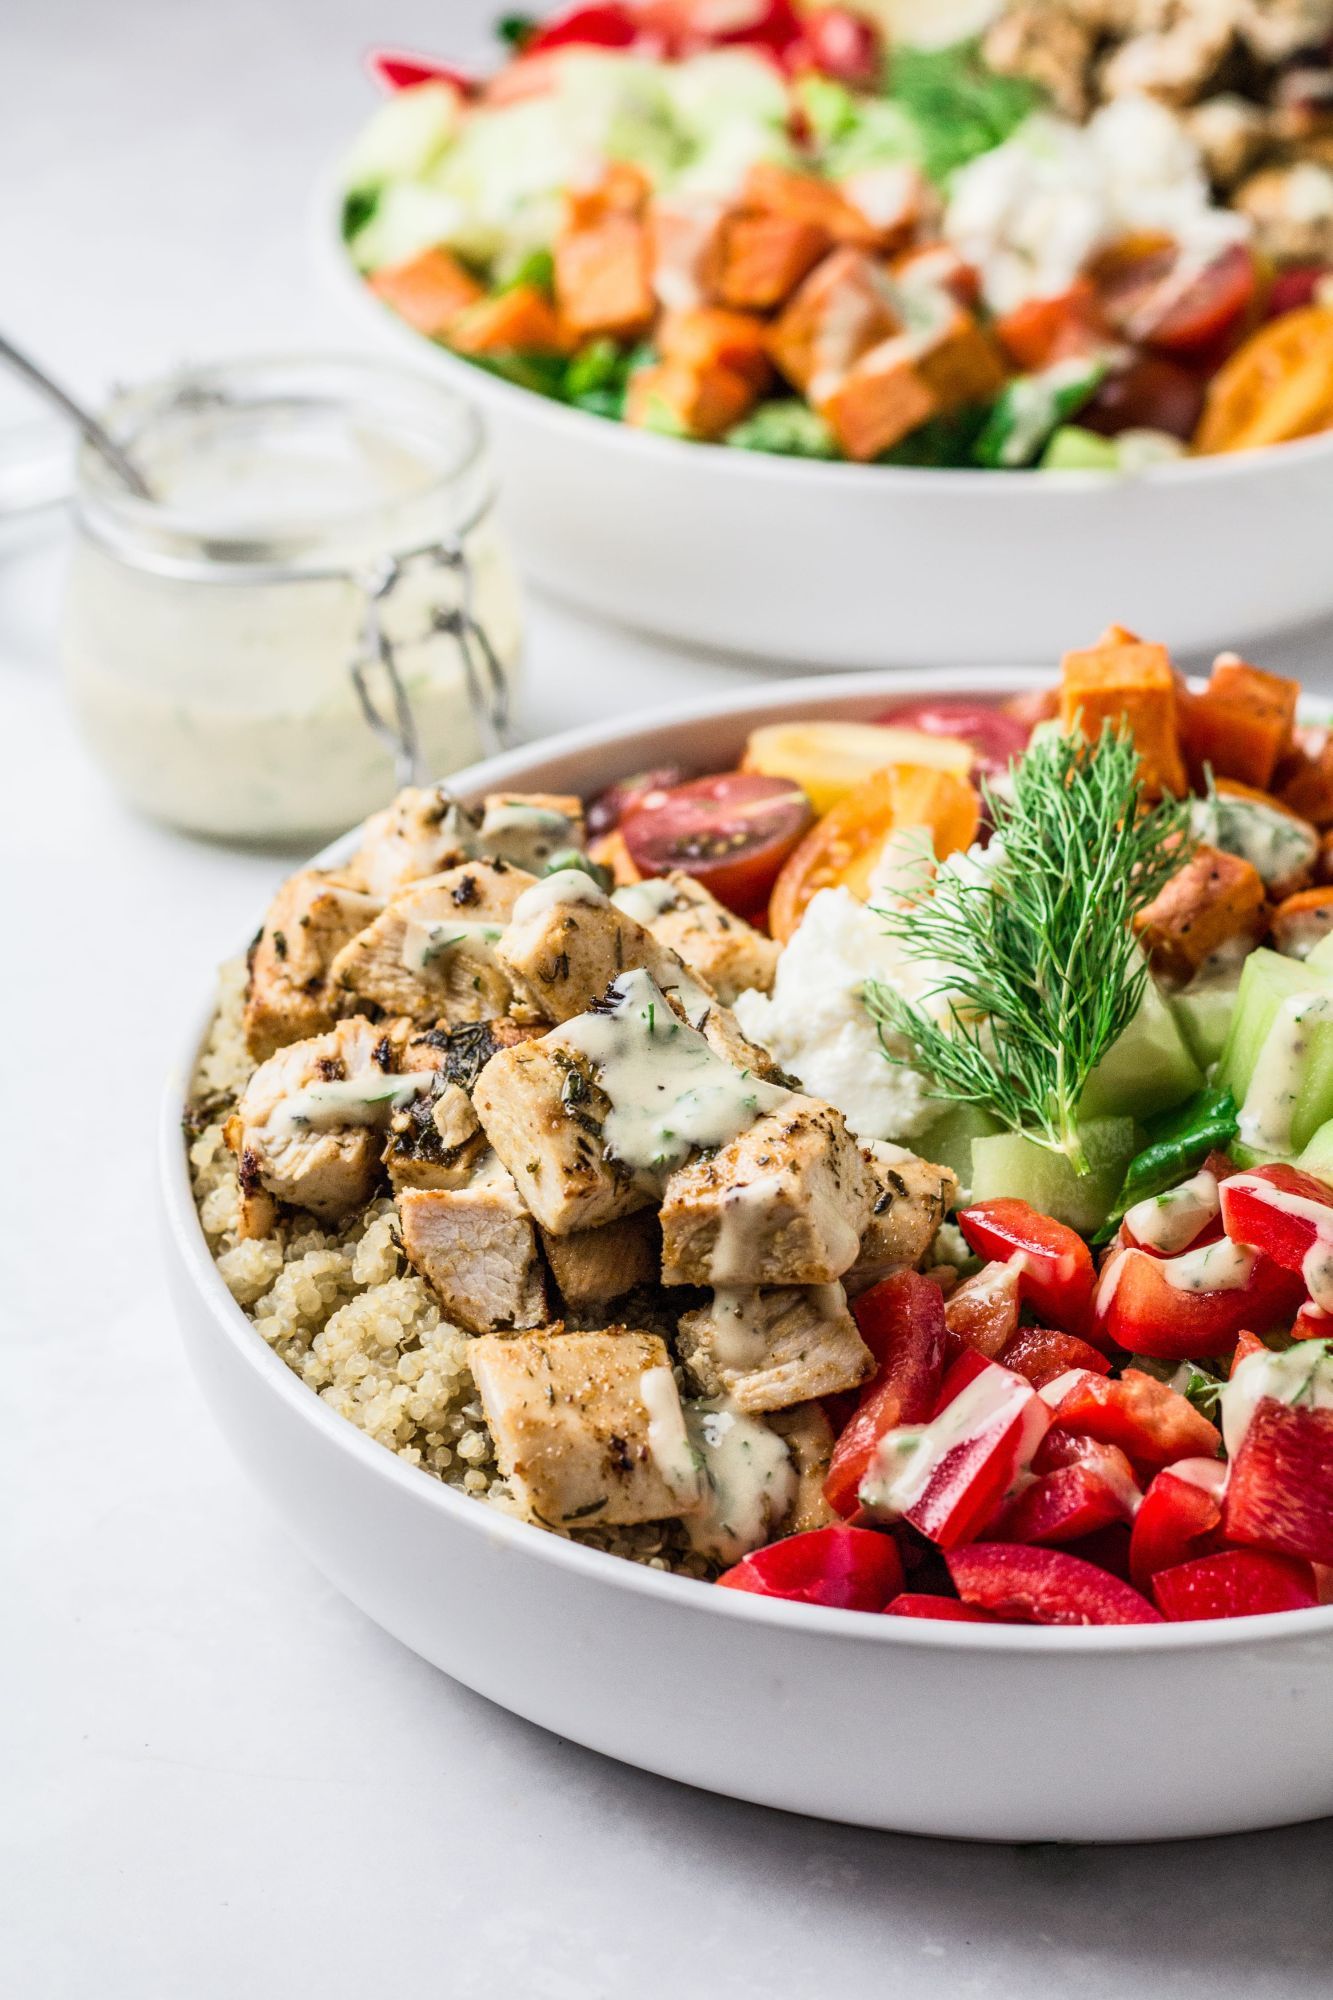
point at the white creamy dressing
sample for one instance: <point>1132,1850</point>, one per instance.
<point>669,1445</point>
<point>646,901</point>
<point>1302,1377</point>
<point>526,835</point>
<point>567,885</point>
<point>1033,405</point>
<point>669,1092</point>
<point>370,1098</point>
<point>1108,1280</point>
<point>1223,1266</point>
<point>743,1320</point>
<point>425,941</point>
<point>1208,1474</point>
<point>1169,1222</point>
<point>1317,1264</point>
<point>1054,1392</point>
<point>750,1482</point>
<point>906,1459</point>
<point>1267,1115</point>
<point>1275,843</point>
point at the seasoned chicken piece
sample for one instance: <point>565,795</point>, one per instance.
<point>1291,208</point>
<point>1049,46</point>
<point>588,1427</point>
<point>432,953</point>
<point>769,1349</point>
<point>437,1140</point>
<point>1275,30</point>
<point>750,1480</point>
<point>1176,65</point>
<point>720,947</point>
<point>911,1200</point>
<point>308,1128</point>
<point>784,1203</point>
<point>808,1436</point>
<point>423,832</point>
<point>476,1246</point>
<point>310,919</point>
<point>530,828</point>
<point>567,942</point>
<point>1216,903</point>
<point>1230,132</point>
<point>595,1266</point>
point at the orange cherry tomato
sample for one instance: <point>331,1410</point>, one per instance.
<point>1277,386</point>
<point>843,848</point>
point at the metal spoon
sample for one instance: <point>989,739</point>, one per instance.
<point>100,439</point>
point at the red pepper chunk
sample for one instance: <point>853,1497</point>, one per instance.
<point>395,69</point>
<point>1057,1278</point>
<point>1179,1518</point>
<point>1280,1488</point>
<point>1285,1213</point>
<point>1082,1486</point>
<point>1235,1583</point>
<point>901,1321</point>
<point>983,1311</point>
<point>1045,1587</point>
<point>1040,1353</point>
<point>1168,1308</point>
<point>848,1569</point>
<point>1150,1421</point>
<point>920,1604</point>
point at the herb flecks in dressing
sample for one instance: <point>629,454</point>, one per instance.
<point>424,942</point>
<point>525,834</point>
<point>1302,1377</point>
<point>749,1479</point>
<point>1169,1223</point>
<point>369,1099</point>
<point>1267,1115</point>
<point>669,1445</point>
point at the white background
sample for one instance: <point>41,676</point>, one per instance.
<point>215,1777</point>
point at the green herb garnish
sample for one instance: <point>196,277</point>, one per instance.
<point>515,29</point>
<point>1035,962</point>
<point>959,107</point>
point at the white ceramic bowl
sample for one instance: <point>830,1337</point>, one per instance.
<point>995,1733</point>
<point>833,565</point>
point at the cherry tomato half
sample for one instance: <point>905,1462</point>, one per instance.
<point>996,737</point>
<point>1148,302</point>
<point>1151,394</point>
<point>733,832</point>
<point>1297,286</point>
<point>609,807</point>
<point>844,45</point>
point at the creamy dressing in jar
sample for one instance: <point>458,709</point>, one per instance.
<point>308,516</point>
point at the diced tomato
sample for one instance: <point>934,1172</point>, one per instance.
<point>609,807</point>
<point>1045,1587</point>
<point>1179,1517</point>
<point>605,26</point>
<point>956,1471</point>
<point>1280,1487</point>
<point>983,1311</point>
<point>1057,1278</point>
<point>920,1604</point>
<point>733,832</point>
<point>844,45</point>
<point>1248,1344</point>
<point>850,1569</point>
<point>1235,1583</point>
<point>996,736</point>
<point>1081,1486</point>
<point>1040,1353</point>
<point>1165,1306</point>
<point>1045,330</point>
<point>1150,1421</point>
<point>397,69</point>
<point>1288,1215</point>
<point>1152,393</point>
<point>1293,288</point>
<point>901,1321</point>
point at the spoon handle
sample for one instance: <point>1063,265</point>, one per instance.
<point>101,440</point>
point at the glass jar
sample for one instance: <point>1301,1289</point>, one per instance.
<point>316,606</point>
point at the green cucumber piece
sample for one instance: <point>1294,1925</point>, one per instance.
<point>1322,955</point>
<point>1317,1155</point>
<point>1150,1068</point>
<point>948,1142</point>
<point>1204,1018</point>
<point>1009,1164</point>
<point>1072,449</point>
<point>1291,1093</point>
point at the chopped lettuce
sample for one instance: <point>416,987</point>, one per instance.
<point>959,108</point>
<point>786,426</point>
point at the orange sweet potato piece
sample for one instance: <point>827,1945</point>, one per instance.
<point>603,278</point>
<point>1323,867</point>
<point>622,189</point>
<point>1301,921</point>
<point>1214,898</point>
<point>429,291</point>
<point>778,190</point>
<point>711,337</point>
<point>699,402</point>
<point>519,321</point>
<point>1241,725</point>
<point>840,311</point>
<point>892,199</point>
<point>1122,680</point>
<point>962,365</point>
<point>761,258</point>
<point>937,267</point>
<point>610,850</point>
<point>879,400</point>
<point>1304,778</point>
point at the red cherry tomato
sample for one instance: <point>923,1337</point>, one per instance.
<point>597,27</point>
<point>1147,302</point>
<point>996,737</point>
<point>397,69</point>
<point>844,45</point>
<point>685,26</point>
<point>1293,288</point>
<point>1151,394</point>
<point>609,807</point>
<point>733,832</point>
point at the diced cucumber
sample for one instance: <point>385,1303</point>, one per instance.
<point>1317,1157</point>
<point>1072,449</point>
<point>1010,1165</point>
<point>948,1142</point>
<point>1322,955</point>
<point>1205,1018</point>
<point>405,137</point>
<point>1150,1068</point>
<point>1031,407</point>
<point>1279,1071</point>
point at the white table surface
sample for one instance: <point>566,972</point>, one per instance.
<point>218,1778</point>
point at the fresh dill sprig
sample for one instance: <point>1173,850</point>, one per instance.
<point>1037,968</point>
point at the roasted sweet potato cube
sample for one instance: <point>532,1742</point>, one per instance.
<point>778,190</point>
<point>892,198</point>
<point>603,278</point>
<point>1212,900</point>
<point>932,268</point>
<point>761,258</point>
<point>1122,680</point>
<point>689,402</point>
<point>962,364</point>
<point>621,189</point>
<point>1303,921</point>
<point>844,308</point>
<point>428,291</point>
<point>1241,725</point>
<point>711,337</point>
<point>879,400</point>
<point>519,321</point>
<point>1304,779</point>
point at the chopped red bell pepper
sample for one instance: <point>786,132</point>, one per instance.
<point>1082,1485</point>
<point>1248,1344</point>
<point>1280,1487</point>
<point>850,1569</point>
<point>1312,1322</point>
<point>605,26</point>
<point>983,1312</point>
<point>1288,1215</point>
<point>1191,1307</point>
<point>842,44</point>
<point>1040,1353</point>
<point>1235,1583</point>
<point>1150,1421</point>
<point>901,1321</point>
<point>398,69</point>
<point>1045,330</point>
<point>920,1604</point>
<point>1179,1518</point>
<point>1056,1275</point>
<point>1045,1587</point>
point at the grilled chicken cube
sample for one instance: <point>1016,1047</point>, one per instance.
<point>431,954</point>
<point>808,1436</point>
<point>567,942</point>
<point>595,1266</point>
<point>311,918</point>
<point>542,1111</point>
<point>531,828</point>
<point>911,1200</point>
<point>784,1203</point>
<point>476,1246</point>
<point>423,832</point>
<point>588,1427</point>
<point>436,1140</point>
<point>720,947</point>
<point>769,1349</point>
<point>308,1128</point>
